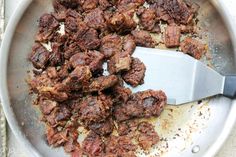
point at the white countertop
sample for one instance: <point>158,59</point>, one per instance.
<point>228,150</point>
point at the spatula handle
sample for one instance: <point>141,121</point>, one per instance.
<point>230,86</point>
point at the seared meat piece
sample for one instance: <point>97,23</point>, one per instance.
<point>71,49</point>
<point>79,59</point>
<point>193,47</point>
<point>54,137</point>
<point>56,56</point>
<point>143,38</point>
<point>69,3</point>
<point>89,40</point>
<point>102,128</point>
<point>93,59</point>
<point>89,5</point>
<point>148,19</point>
<point>93,145</point>
<point>96,61</point>
<point>128,45</point>
<point>56,93</point>
<point>121,94</point>
<point>104,4</point>
<point>39,81</point>
<point>120,146</point>
<point>147,136</point>
<point>78,78</point>
<point>47,26</point>
<point>110,45</point>
<point>95,19</point>
<point>94,109</point>
<point>103,82</point>
<point>119,63</point>
<point>52,72</point>
<point>179,11</point>
<point>71,24</point>
<point>129,6</point>
<point>172,36</point>
<point>46,106</point>
<point>39,56</point>
<point>136,74</point>
<point>187,28</point>
<point>127,127</point>
<point>71,146</point>
<point>121,23</point>
<point>142,104</point>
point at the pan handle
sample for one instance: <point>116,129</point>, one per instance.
<point>230,86</point>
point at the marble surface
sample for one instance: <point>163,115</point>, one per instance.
<point>14,150</point>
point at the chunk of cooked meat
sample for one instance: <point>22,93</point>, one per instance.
<point>129,6</point>
<point>148,19</point>
<point>119,63</point>
<point>143,38</point>
<point>103,128</point>
<point>78,78</point>
<point>193,47</point>
<point>56,56</point>
<point>142,104</point>
<point>47,106</point>
<point>127,127</point>
<point>95,19</point>
<point>69,3</point>
<point>89,40</point>
<point>39,56</point>
<point>89,5</point>
<point>179,11</point>
<point>47,26</point>
<point>54,137</point>
<point>104,4</point>
<point>110,45</point>
<point>121,23</point>
<point>102,83</point>
<point>135,76</point>
<point>172,36</point>
<point>93,145</point>
<point>120,146</point>
<point>93,59</point>
<point>94,109</point>
<point>121,94</point>
<point>147,136</point>
<point>129,45</point>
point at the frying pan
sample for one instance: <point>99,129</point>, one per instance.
<point>196,129</point>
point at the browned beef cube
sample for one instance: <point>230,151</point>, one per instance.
<point>71,49</point>
<point>120,146</point>
<point>121,23</point>
<point>94,109</point>
<point>89,40</point>
<point>148,19</point>
<point>103,82</point>
<point>142,104</point>
<point>187,28</point>
<point>90,4</point>
<point>129,6</point>
<point>54,137</point>
<point>95,19</point>
<point>68,3</point>
<point>127,127</point>
<point>102,128</point>
<point>179,11</point>
<point>143,38</point>
<point>39,56</point>
<point>121,94</point>
<point>56,56</point>
<point>119,63</point>
<point>93,145</point>
<point>129,45</point>
<point>136,74</point>
<point>79,59</point>
<point>193,47</point>
<point>78,78</point>
<point>172,36</point>
<point>147,136</point>
<point>57,93</point>
<point>111,45</point>
<point>47,106</point>
<point>104,4</point>
<point>47,26</point>
<point>161,12</point>
<point>96,61</point>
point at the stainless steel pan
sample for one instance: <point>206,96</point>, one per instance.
<point>197,129</point>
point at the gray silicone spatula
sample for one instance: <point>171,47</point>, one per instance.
<point>183,78</point>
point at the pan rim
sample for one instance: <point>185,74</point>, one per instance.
<point>4,93</point>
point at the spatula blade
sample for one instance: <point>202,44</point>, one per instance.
<point>183,78</point>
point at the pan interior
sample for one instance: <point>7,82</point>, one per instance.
<point>183,129</point>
